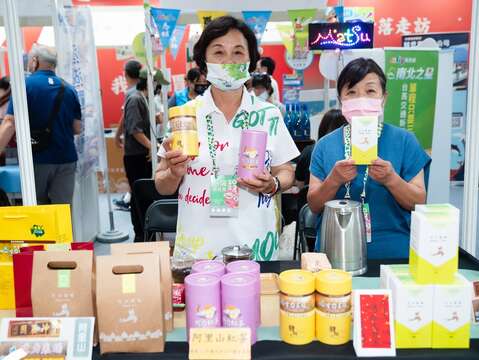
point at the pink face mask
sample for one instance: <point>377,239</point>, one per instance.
<point>362,106</point>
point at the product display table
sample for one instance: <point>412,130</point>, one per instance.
<point>272,348</point>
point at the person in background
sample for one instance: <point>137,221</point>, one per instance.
<point>228,51</point>
<point>391,186</point>
<point>5,93</point>
<point>55,166</point>
<point>262,87</point>
<point>332,120</point>
<point>196,84</point>
<point>132,75</point>
<point>268,65</point>
<point>136,132</point>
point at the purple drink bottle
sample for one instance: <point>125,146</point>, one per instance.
<point>252,153</point>
<point>238,300</point>
<point>203,301</point>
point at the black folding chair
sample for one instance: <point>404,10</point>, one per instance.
<point>306,230</point>
<point>145,194</point>
<point>161,217</point>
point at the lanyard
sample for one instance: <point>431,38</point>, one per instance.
<point>211,137</point>
<point>347,155</point>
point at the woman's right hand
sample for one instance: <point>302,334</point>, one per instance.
<point>344,171</point>
<point>175,160</point>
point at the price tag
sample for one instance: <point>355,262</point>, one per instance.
<point>220,343</point>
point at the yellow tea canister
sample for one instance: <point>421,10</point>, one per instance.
<point>333,306</point>
<point>297,306</point>
<point>184,131</point>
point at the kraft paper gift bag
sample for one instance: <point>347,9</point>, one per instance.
<point>129,303</point>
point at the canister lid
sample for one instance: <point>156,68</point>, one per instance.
<point>333,282</point>
<point>182,111</point>
<point>209,266</point>
<point>296,282</point>
<point>244,266</point>
<point>238,284</point>
<point>237,251</point>
<point>202,279</point>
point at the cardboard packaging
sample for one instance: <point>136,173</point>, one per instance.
<point>23,226</point>
<point>314,262</point>
<point>452,314</point>
<point>129,303</point>
<point>373,333</point>
<point>413,305</point>
<point>48,338</point>
<point>161,248</point>
<point>62,284</point>
<point>434,254</point>
<point>364,139</point>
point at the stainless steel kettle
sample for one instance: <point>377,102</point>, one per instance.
<point>343,236</point>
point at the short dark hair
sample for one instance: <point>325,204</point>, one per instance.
<point>142,84</point>
<point>218,28</point>
<point>264,80</point>
<point>332,120</point>
<point>357,70</point>
<point>268,63</point>
<point>194,74</point>
<point>132,69</point>
<point>5,83</point>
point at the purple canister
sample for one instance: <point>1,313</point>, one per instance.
<point>203,301</point>
<point>215,267</point>
<point>252,153</point>
<point>238,300</point>
<point>249,267</point>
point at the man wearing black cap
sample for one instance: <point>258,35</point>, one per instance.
<point>136,133</point>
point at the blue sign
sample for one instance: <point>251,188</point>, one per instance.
<point>165,20</point>
<point>344,36</point>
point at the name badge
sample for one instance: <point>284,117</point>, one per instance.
<point>224,196</point>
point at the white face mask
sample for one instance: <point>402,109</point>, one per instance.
<point>227,77</point>
<point>264,96</point>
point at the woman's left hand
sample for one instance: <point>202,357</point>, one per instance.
<point>381,171</point>
<point>262,183</point>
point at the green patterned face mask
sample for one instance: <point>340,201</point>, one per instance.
<point>228,76</point>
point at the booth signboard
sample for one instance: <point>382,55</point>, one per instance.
<point>343,36</point>
<point>459,42</point>
<point>412,86</point>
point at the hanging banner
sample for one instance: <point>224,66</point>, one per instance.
<point>257,21</point>
<point>411,87</point>
<point>205,17</point>
<point>331,14</point>
<point>354,14</point>
<point>287,36</point>
<point>301,19</point>
<point>138,47</point>
<point>176,40</point>
<point>459,42</point>
<point>165,20</point>
<point>77,64</point>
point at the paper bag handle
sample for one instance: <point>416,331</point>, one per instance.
<point>62,265</point>
<point>127,269</point>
